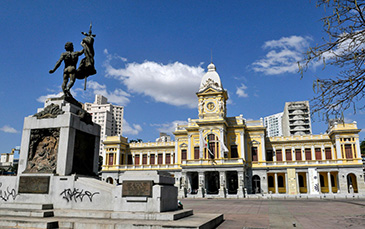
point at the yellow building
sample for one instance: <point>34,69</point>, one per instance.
<point>219,156</point>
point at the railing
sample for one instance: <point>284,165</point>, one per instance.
<point>212,162</point>
<point>309,162</point>
<point>138,167</point>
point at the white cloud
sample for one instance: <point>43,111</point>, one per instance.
<point>8,129</point>
<point>135,129</point>
<point>43,98</point>
<point>174,83</point>
<point>282,56</point>
<point>169,127</point>
<point>118,96</point>
<point>241,91</point>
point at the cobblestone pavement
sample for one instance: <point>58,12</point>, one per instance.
<point>310,213</point>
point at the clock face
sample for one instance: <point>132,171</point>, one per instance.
<point>210,106</point>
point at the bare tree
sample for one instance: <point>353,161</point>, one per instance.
<point>344,48</point>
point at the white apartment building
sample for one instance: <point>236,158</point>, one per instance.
<point>108,116</point>
<point>273,124</point>
<point>297,119</point>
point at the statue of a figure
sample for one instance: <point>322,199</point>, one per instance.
<point>70,58</point>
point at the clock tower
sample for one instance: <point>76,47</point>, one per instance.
<point>212,96</point>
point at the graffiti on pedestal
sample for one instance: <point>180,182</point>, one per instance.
<point>77,195</point>
<point>6,194</point>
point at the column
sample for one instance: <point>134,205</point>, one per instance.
<point>189,147</point>
<point>164,158</point>
<point>263,147</point>
<point>297,182</point>
<point>303,153</point>
<point>329,183</point>
<point>243,152</point>
<point>322,153</point>
<point>286,183</point>
<point>241,184</point>
<point>201,191</point>
<point>283,154</point>
<point>140,159</point>
<point>182,188</point>
<point>293,155</point>
<point>133,159</point>
<point>222,184</point>
<point>276,184</point>
<point>201,144</point>
<point>274,152</point>
<point>118,155</point>
<point>176,149</point>
<point>221,131</point>
<point>307,182</point>
<point>148,158</point>
<point>357,147</point>
<point>313,154</point>
<point>338,148</point>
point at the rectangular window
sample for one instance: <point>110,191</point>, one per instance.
<point>196,153</point>
<point>328,153</point>
<point>144,159</point>
<point>279,155</point>
<point>111,159</point>
<point>308,154</point>
<point>318,153</point>
<point>288,155</point>
<point>348,151</point>
<point>234,152</point>
<point>298,154</point>
<point>136,159</point>
<point>130,160</point>
<point>254,153</point>
<point>159,158</point>
<point>152,159</point>
<point>269,155</point>
<point>183,154</point>
<point>168,158</point>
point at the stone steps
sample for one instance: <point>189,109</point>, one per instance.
<point>37,216</point>
<point>97,214</point>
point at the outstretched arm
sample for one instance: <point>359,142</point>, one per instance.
<point>58,63</point>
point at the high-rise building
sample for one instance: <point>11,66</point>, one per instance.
<point>273,124</point>
<point>108,116</point>
<point>296,119</point>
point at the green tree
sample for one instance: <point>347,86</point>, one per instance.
<point>343,47</point>
<point>362,147</point>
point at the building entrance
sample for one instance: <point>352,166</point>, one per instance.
<point>232,182</point>
<point>212,182</point>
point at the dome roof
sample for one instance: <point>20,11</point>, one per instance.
<point>211,79</point>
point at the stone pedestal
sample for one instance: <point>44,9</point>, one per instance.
<point>60,139</point>
<point>147,191</point>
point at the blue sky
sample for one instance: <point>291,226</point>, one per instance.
<point>151,55</point>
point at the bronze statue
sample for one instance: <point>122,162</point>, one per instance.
<point>70,58</point>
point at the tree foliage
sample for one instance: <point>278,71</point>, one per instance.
<point>343,47</point>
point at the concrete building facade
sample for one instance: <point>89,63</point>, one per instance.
<point>215,156</point>
<point>273,124</point>
<point>296,119</point>
<point>108,116</point>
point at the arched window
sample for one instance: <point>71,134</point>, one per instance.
<point>321,178</point>
<point>256,186</point>
<point>109,180</point>
<point>212,147</point>
<point>301,181</point>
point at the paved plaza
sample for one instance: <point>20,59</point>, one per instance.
<point>310,213</point>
